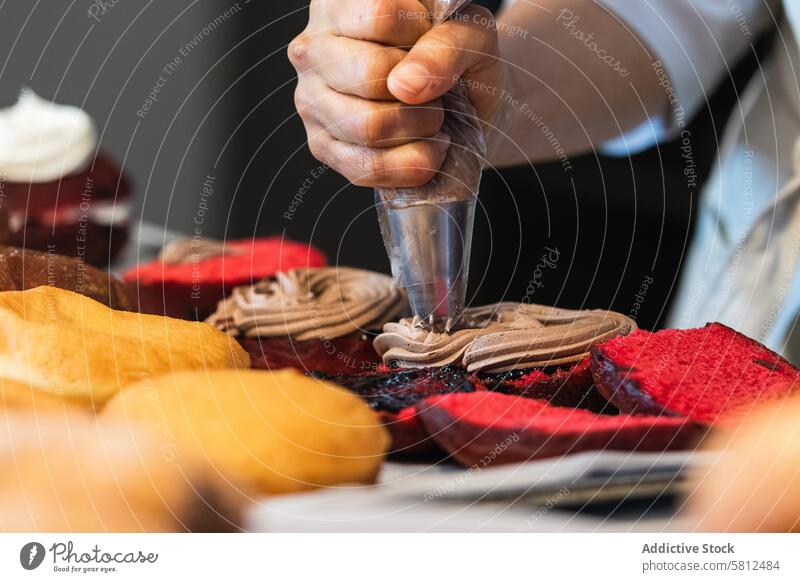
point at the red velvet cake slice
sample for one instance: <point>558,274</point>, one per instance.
<point>408,435</point>
<point>192,276</point>
<point>564,386</point>
<point>710,375</point>
<point>487,428</point>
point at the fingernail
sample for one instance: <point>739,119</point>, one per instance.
<point>441,141</point>
<point>410,77</point>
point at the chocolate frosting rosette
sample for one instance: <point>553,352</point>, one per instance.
<point>308,304</point>
<point>319,319</point>
<point>503,337</point>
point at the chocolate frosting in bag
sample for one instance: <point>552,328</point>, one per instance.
<point>460,174</point>
<point>428,241</point>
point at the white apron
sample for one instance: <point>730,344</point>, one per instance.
<point>743,267</point>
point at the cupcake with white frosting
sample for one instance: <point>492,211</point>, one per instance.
<point>59,193</point>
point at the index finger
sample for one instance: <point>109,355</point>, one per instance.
<point>397,23</point>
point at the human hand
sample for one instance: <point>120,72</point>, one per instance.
<point>370,77</point>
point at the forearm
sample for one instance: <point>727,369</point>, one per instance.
<point>575,77</point>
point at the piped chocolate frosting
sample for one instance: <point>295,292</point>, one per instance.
<point>305,304</point>
<point>503,337</point>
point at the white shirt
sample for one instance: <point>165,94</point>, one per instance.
<point>742,269</point>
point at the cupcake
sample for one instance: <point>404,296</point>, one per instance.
<point>59,193</point>
<point>191,276</point>
<point>321,319</point>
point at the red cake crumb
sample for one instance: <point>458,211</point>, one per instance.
<point>568,386</point>
<point>712,375</point>
<point>396,390</point>
<point>487,428</point>
<point>408,435</point>
<point>192,291</point>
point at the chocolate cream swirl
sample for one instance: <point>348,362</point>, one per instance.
<point>503,337</point>
<point>306,304</point>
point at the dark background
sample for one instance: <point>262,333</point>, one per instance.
<point>228,111</point>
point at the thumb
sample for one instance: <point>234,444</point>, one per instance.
<point>463,46</point>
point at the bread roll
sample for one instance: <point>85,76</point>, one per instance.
<point>65,473</point>
<point>68,344</point>
<point>16,396</point>
<point>280,431</point>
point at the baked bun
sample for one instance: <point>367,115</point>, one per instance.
<point>64,473</point>
<point>22,269</point>
<point>755,485</point>
<point>280,431</point>
<point>70,345</point>
<point>16,396</point>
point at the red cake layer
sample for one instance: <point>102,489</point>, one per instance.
<point>712,374</point>
<point>572,387</point>
<point>247,262</point>
<point>408,434</point>
<point>102,181</point>
<point>345,355</point>
<point>192,291</point>
<point>71,216</point>
<point>486,428</point>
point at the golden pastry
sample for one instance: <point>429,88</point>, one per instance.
<point>16,396</point>
<point>280,431</point>
<point>68,344</point>
<point>66,473</point>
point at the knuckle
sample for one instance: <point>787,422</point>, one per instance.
<point>299,51</point>
<point>317,146</point>
<point>302,102</point>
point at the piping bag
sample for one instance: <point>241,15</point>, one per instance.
<point>428,230</point>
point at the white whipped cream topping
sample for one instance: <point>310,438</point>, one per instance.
<point>41,141</point>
